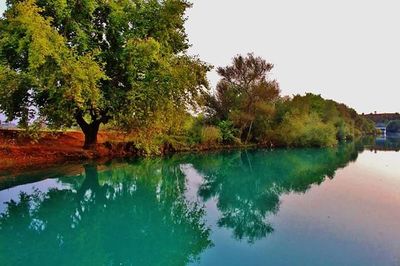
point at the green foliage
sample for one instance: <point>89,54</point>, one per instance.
<point>228,132</point>
<point>32,132</point>
<point>194,132</point>
<point>244,95</point>
<point>211,135</point>
<point>48,74</point>
<point>343,131</point>
<point>90,62</point>
<point>170,127</point>
<point>306,130</point>
<point>250,102</point>
<point>307,120</point>
<point>124,63</point>
<point>311,120</point>
<point>263,122</point>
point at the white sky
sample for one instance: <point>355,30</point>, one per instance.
<point>346,50</point>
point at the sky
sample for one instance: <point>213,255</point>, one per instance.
<point>346,50</point>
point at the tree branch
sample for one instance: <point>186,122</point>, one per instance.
<point>79,119</point>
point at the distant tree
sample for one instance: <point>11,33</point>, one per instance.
<point>393,126</point>
<point>311,120</point>
<point>91,62</point>
<point>244,92</point>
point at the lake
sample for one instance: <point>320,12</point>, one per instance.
<point>333,206</point>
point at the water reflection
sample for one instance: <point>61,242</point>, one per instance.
<point>138,212</point>
<point>131,215</point>
<point>248,185</point>
<point>390,142</point>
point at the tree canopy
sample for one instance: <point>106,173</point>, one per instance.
<point>244,93</point>
<point>247,99</point>
<point>87,63</point>
<point>90,62</point>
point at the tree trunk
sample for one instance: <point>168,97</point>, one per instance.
<point>89,130</point>
<point>91,181</point>
<point>249,132</point>
<point>91,135</point>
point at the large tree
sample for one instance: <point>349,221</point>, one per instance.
<point>88,62</point>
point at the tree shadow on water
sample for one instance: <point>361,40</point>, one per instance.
<point>247,185</point>
<point>136,214</point>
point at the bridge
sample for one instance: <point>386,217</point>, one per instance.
<point>383,127</point>
<point>382,120</point>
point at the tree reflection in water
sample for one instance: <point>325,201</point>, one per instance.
<point>135,214</point>
<point>247,185</point>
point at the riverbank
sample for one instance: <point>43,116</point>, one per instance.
<point>19,153</point>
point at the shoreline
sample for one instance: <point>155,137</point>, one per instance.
<point>63,148</point>
<point>60,149</point>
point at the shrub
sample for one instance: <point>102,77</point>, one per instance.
<point>194,130</point>
<point>306,130</point>
<point>33,132</point>
<point>210,135</point>
<point>228,131</point>
<point>344,132</point>
<point>319,135</point>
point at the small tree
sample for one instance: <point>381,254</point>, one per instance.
<point>244,92</point>
<point>89,62</point>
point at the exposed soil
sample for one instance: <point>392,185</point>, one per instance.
<point>18,152</point>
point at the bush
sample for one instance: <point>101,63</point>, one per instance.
<point>33,132</point>
<point>228,131</point>
<point>210,135</point>
<point>306,130</point>
<point>194,130</point>
<point>319,135</point>
<point>344,132</point>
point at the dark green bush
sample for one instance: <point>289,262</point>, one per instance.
<point>228,131</point>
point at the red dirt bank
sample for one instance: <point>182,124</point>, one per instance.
<point>18,152</point>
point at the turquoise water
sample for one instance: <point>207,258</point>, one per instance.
<point>338,206</point>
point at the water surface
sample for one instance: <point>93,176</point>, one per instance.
<point>337,206</point>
